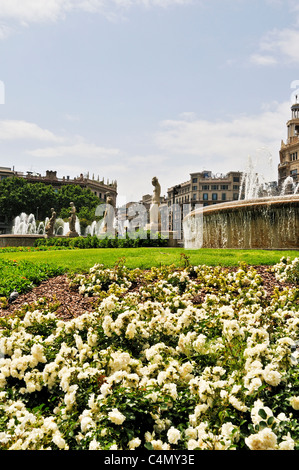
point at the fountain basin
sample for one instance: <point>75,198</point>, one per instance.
<point>18,240</point>
<point>263,223</point>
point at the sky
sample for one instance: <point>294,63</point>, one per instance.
<point>131,89</point>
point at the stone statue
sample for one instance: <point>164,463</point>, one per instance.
<point>72,222</point>
<point>157,191</point>
<point>49,229</point>
<point>109,216</point>
<point>155,217</point>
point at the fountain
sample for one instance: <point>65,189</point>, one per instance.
<point>261,218</point>
<point>25,230</point>
<point>262,223</point>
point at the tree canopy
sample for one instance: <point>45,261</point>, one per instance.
<point>18,195</point>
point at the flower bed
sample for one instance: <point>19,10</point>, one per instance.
<point>150,369</point>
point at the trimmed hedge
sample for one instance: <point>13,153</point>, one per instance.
<point>107,242</point>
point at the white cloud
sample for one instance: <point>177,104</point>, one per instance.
<point>260,59</point>
<point>16,130</point>
<point>278,46</point>
<point>31,11</point>
<point>225,145</point>
<point>83,150</point>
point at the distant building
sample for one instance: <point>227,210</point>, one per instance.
<point>288,168</point>
<point>6,172</point>
<point>203,188</point>
<point>206,188</point>
<point>97,186</point>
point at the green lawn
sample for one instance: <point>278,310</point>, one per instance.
<point>81,260</point>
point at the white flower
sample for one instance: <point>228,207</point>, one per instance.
<point>173,435</point>
<point>237,403</point>
<point>294,401</point>
<point>116,416</point>
<point>287,443</point>
<point>134,443</point>
<point>59,441</point>
<point>263,440</point>
<point>94,445</point>
<point>192,444</point>
<point>272,377</point>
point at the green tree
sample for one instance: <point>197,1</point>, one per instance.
<point>81,197</point>
<point>17,195</point>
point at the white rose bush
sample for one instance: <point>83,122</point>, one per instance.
<point>196,358</point>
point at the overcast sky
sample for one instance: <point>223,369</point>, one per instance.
<point>131,89</point>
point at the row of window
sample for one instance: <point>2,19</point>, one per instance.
<point>236,179</point>
<point>215,187</point>
<point>205,196</point>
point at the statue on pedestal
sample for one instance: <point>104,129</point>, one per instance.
<point>109,216</point>
<point>72,222</point>
<point>49,229</point>
<point>155,218</point>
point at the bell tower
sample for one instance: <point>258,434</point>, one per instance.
<point>289,151</point>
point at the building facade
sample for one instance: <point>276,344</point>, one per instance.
<point>6,172</point>
<point>288,168</point>
<point>206,188</point>
<point>97,186</point>
<point>203,188</point>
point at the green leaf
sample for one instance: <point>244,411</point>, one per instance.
<point>262,425</point>
<point>262,413</point>
<point>148,446</point>
<point>270,420</point>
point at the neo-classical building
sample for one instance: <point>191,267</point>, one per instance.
<point>203,188</point>
<point>288,168</point>
<point>99,187</point>
<point>206,188</point>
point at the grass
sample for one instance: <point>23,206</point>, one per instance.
<point>144,258</point>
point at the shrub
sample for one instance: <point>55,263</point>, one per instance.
<point>148,369</point>
<point>136,241</point>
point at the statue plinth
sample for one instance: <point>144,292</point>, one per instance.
<point>72,234</point>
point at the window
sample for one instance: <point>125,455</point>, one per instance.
<point>223,196</point>
<point>294,156</point>
<point>205,196</point>
<point>235,196</point>
<point>236,187</point>
<point>194,188</point>
<point>236,179</point>
<point>214,187</point>
<point>224,186</point>
<point>194,197</point>
<point>194,180</point>
<point>214,196</point>
<point>205,187</point>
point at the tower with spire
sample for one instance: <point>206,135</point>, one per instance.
<point>289,150</point>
